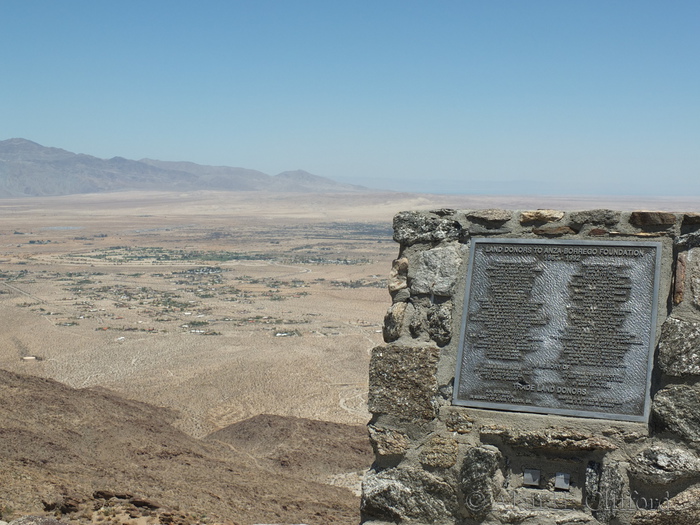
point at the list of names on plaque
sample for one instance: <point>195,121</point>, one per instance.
<point>508,296</point>
<point>559,327</point>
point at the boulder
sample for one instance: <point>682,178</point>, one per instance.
<point>540,216</point>
<point>388,441</point>
<point>411,227</point>
<point>603,490</point>
<point>477,479</point>
<point>679,348</point>
<point>393,322</point>
<point>407,494</point>
<point>682,509</point>
<point>676,408</point>
<point>436,271</point>
<point>661,464</point>
<point>438,452</point>
<point>600,217</point>
<point>402,382</point>
<point>652,218</point>
<point>490,218</point>
<point>440,323</point>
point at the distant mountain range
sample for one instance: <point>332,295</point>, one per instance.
<point>30,169</point>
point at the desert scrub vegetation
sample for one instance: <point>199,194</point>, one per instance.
<point>156,254</point>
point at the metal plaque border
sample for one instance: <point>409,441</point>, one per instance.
<point>658,246</point>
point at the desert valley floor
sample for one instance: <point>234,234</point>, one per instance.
<point>219,306</point>
<point>192,305</point>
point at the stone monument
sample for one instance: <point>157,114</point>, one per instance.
<point>540,367</point>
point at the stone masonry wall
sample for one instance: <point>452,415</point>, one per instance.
<point>444,464</point>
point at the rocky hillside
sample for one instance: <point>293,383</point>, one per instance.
<point>29,169</point>
<point>300,447</point>
<point>74,452</point>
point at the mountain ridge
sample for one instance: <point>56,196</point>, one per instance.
<point>28,169</point>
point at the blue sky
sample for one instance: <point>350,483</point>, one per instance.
<point>492,96</point>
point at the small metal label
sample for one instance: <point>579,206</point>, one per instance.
<point>531,477</point>
<point>559,327</point>
<point>562,481</point>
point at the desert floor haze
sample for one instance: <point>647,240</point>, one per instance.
<point>247,317</point>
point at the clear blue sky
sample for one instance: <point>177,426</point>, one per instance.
<point>447,96</point>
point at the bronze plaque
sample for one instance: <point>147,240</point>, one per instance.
<point>559,327</point>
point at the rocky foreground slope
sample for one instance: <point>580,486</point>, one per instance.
<point>90,455</point>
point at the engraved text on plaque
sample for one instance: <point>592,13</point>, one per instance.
<point>559,327</point>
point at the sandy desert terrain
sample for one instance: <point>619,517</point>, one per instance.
<point>220,306</point>
<point>196,304</point>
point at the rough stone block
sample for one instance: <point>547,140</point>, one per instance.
<point>411,227</point>
<point>547,439</point>
<point>418,325</point>
<point>478,229</point>
<point>512,513</point>
<point>402,295</point>
<point>598,217</point>
<point>682,509</point>
<point>688,240</point>
<point>407,494</point>
<point>695,289</point>
<point>477,479</point>
<point>456,420</point>
<point>679,348</point>
<point>603,489</point>
<point>677,409</point>
<point>553,231</point>
<point>438,452</point>
<point>440,323</point>
<point>443,212</point>
<point>643,219</point>
<point>540,216</point>
<point>690,219</point>
<point>492,217</point>
<point>437,271</point>
<point>397,275</point>
<point>393,322</point>
<point>663,464</point>
<point>402,382</point>
<point>679,278</point>
<point>388,441</point>
<point>693,275</point>
<point>527,515</point>
<point>36,520</point>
